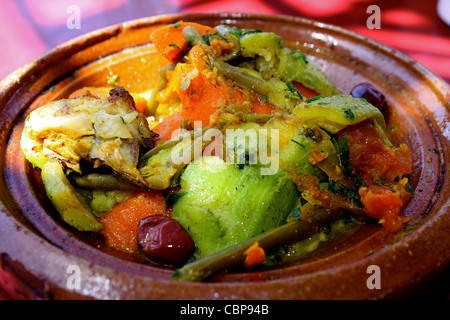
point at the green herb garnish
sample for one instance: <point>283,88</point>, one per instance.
<point>315,98</point>
<point>301,145</point>
<point>434,150</point>
<point>293,89</point>
<point>173,45</point>
<point>264,102</point>
<point>409,188</point>
<point>173,198</point>
<point>114,80</point>
<point>207,37</point>
<point>351,191</point>
<point>297,54</point>
<point>242,32</point>
<point>175,25</point>
<point>344,156</point>
<point>348,113</point>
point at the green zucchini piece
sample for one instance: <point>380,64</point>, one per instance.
<point>337,112</point>
<point>224,205</point>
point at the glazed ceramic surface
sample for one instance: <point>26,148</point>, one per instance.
<point>39,253</point>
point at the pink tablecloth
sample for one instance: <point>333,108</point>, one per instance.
<point>29,28</point>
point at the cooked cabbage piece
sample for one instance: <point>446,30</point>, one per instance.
<point>337,112</point>
<point>222,204</point>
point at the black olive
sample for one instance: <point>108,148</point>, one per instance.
<point>163,240</point>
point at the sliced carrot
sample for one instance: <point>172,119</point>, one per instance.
<point>254,256</point>
<point>120,224</point>
<point>170,42</point>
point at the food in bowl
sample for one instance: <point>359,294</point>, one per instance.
<point>244,153</point>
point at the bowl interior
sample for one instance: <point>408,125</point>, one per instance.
<point>417,109</point>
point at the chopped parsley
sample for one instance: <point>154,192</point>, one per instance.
<point>434,150</point>
<point>173,45</point>
<point>392,128</point>
<point>297,54</point>
<point>313,134</point>
<point>348,113</point>
<point>349,191</point>
<point>301,145</point>
<point>315,98</point>
<point>364,100</point>
<point>242,32</point>
<point>207,37</point>
<point>175,25</point>
<point>295,213</point>
<point>264,101</point>
<point>344,156</point>
<point>173,198</point>
<point>294,90</point>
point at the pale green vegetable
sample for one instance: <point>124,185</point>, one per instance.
<point>223,204</point>
<point>104,200</point>
<point>337,112</point>
<point>286,64</point>
<point>296,141</point>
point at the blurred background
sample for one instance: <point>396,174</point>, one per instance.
<point>29,28</point>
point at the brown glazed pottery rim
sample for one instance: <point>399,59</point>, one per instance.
<point>38,253</point>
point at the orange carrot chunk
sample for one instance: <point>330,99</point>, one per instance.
<point>170,42</point>
<point>384,204</point>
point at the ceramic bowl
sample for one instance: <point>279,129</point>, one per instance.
<point>39,253</point>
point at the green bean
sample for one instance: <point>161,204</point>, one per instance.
<point>167,144</point>
<point>292,231</point>
<point>241,77</point>
<point>104,182</point>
